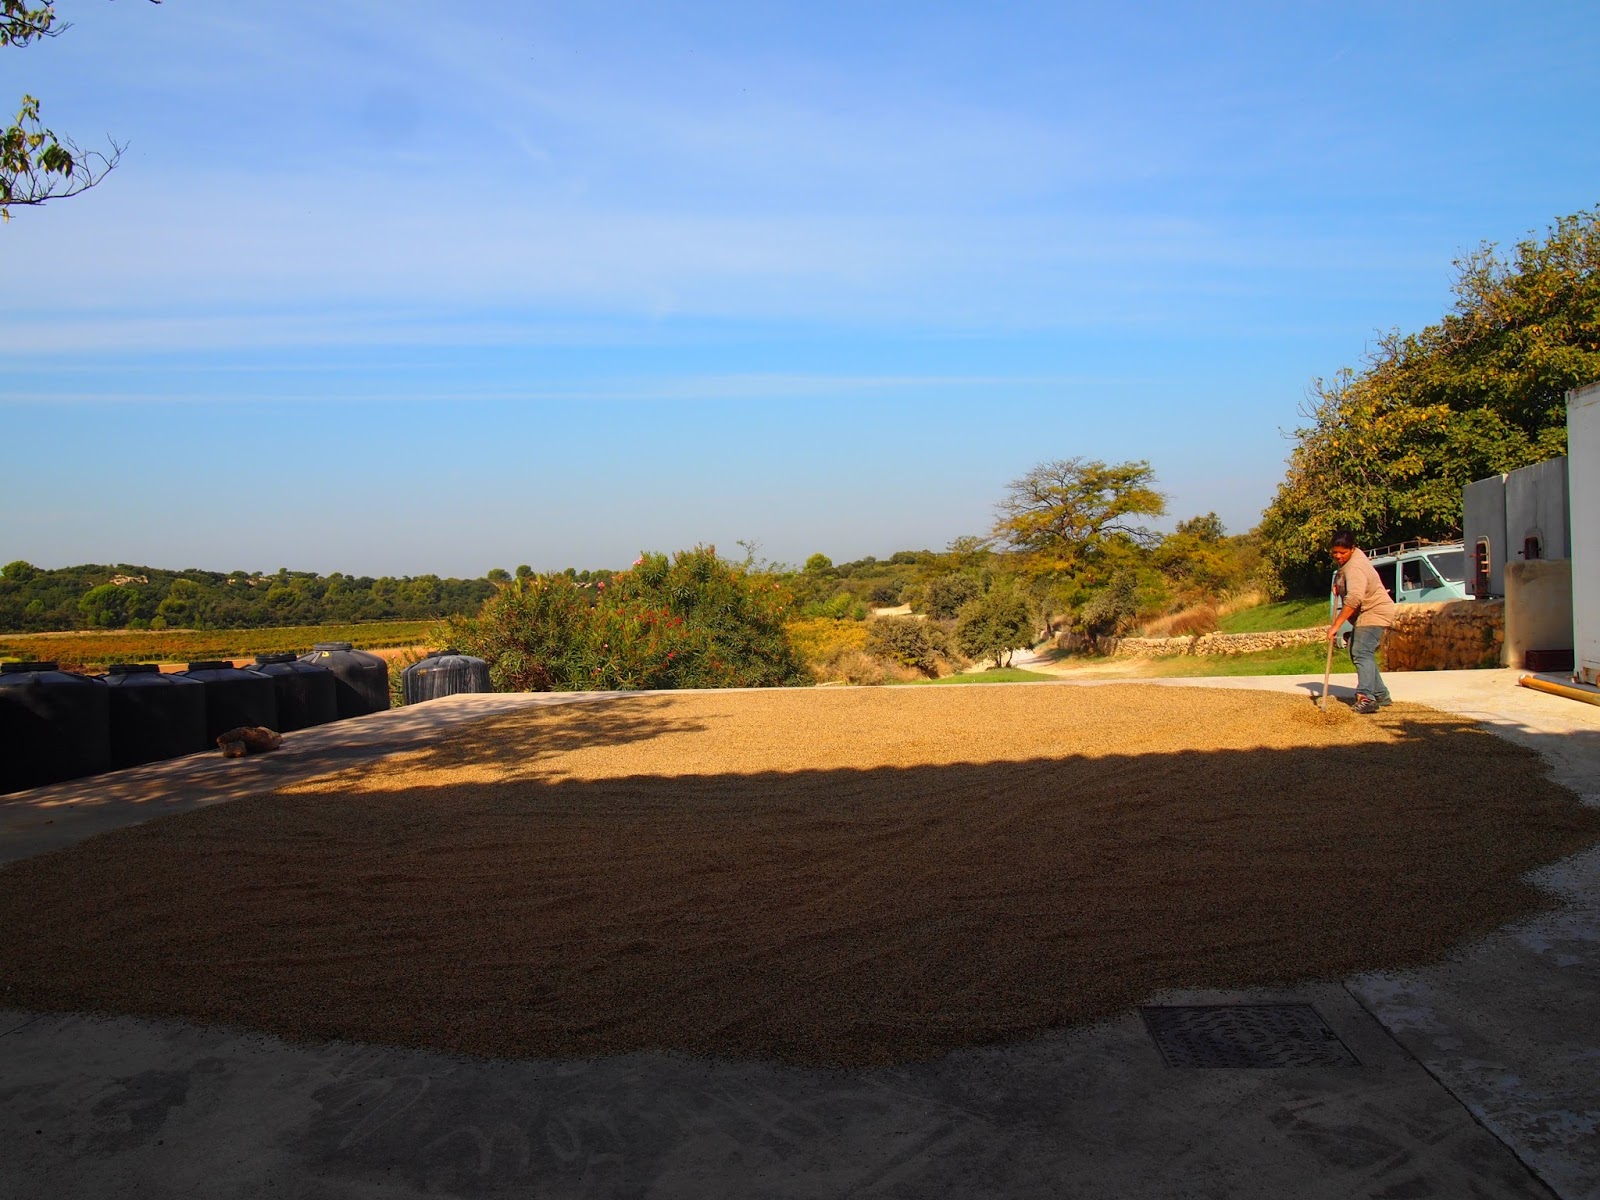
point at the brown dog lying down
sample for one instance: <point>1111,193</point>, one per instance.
<point>248,739</point>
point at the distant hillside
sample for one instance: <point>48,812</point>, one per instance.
<point>97,596</point>
<point>125,596</point>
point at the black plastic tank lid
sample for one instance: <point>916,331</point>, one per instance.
<point>333,646</point>
<point>441,653</point>
<point>134,669</point>
<point>283,657</point>
<point>18,667</point>
<point>211,665</point>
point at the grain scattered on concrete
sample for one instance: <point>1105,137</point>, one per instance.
<point>833,877</point>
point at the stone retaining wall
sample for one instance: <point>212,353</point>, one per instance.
<point>1455,635</point>
<point>1210,643</point>
<point>1452,636</point>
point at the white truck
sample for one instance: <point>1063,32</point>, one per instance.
<point>1414,572</point>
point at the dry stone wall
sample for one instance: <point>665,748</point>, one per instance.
<point>1453,636</point>
<point>1456,635</point>
<point>1210,643</point>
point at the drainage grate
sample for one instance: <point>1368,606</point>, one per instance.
<point>1245,1035</point>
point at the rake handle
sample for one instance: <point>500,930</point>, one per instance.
<point>1327,673</point>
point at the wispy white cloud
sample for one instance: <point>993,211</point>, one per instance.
<point>629,169</point>
<point>734,386</point>
<point>363,266</point>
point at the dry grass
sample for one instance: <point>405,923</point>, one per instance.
<point>838,876</point>
<point>853,667</point>
<point>1187,622</point>
<point>1239,601</point>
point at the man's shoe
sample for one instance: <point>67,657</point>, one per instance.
<point>1365,705</point>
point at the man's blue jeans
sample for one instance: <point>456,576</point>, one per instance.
<point>1364,653</point>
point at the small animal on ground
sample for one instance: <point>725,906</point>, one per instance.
<point>248,739</point>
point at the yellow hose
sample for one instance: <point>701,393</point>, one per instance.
<point>1559,689</point>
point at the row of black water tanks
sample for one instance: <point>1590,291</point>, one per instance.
<point>55,725</point>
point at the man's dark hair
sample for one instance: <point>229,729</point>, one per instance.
<point>1343,538</point>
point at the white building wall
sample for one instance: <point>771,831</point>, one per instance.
<point>1536,511</point>
<point>1484,520</point>
<point>1583,453</point>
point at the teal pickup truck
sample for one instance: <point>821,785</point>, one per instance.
<point>1415,572</point>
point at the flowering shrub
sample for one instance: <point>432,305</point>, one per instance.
<point>692,621</point>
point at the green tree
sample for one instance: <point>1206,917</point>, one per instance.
<point>888,593</point>
<point>1076,515</point>
<point>817,564</point>
<point>19,571</point>
<point>1206,530</point>
<point>1201,560</point>
<point>907,641</point>
<point>943,595</point>
<point>1388,448</point>
<point>994,625</point>
<point>109,606</point>
<point>966,553</point>
<point>690,621</point>
<point>1113,609</point>
<point>178,606</point>
<point>498,575</point>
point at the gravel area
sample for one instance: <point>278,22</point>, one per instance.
<point>832,877</point>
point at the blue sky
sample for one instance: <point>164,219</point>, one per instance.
<point>397,287</point>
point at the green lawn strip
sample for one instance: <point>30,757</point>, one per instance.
<point>1286,614</point>
<point>1001,675</point>
<point>1291,660</point>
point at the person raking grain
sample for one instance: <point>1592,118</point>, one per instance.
<point>1365,601</point>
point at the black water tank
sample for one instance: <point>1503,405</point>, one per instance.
<point>53,725</point>
<point>444,673</point>
<point>234,697</point>
<point>361,680</point>
<point>306,692</point>
<point>154,716</point>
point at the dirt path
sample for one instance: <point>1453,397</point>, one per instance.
<point>832,877</point>
<point>1062,666</point>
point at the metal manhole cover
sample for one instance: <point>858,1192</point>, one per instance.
<point>1245,1035</point>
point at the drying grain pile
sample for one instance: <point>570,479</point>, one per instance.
<point>839,877</point>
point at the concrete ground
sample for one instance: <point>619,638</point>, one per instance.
<point>1477,1077</point>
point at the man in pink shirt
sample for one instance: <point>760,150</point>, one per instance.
<point>1367,602</point>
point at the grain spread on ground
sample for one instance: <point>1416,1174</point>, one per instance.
<point>836,877</point>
